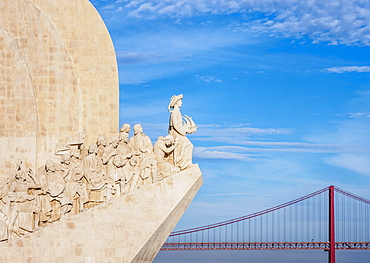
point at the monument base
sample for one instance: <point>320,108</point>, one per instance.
<point>130,228</point>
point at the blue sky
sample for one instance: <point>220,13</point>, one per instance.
<point>280,91</point>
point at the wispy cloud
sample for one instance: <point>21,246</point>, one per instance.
<point>235,134</point>
<point>336,21</point>
<point>208,153</point>
<point>228,194</point>
<point>108,7</point>
<point>260,151</point>
<point>354,115</point>
<point>359,115</point>
<point>348,69</point>
<point>357,163</point>
<point>266,147</point>
<point>128,57</point>
<point>207,78</point>
<point>164,51</point>
<point>353,130</point>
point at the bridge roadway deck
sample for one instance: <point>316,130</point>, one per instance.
<point>263,245</point>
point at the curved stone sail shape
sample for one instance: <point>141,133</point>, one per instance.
<point>58,76</point>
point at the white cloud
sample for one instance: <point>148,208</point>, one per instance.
<point>228,194</point>
<point>204,153</point>
<point>355,131</point>
<point>263,150</point>
<point>207,78</point>
<point>108,7</point>
<point>357,163</point>
<point>348,69</point>
<point>129,57</point>
<point>241,142</point>
<point>335,21</point>
<point>234,134</point>
<point>359,115</point>
<point>170,50</point>
<point>297,147</point>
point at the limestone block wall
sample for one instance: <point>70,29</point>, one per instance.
<point>130,228</point>
<point>58,76</point>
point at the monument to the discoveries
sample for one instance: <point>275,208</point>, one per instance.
<point>73,186</point>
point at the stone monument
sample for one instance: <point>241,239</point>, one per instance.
<point>57,66</point>
<point>73,188</point>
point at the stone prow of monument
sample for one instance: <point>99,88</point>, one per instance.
<point>74,188</point>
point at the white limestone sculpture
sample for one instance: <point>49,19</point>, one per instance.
<point>84,179</point>
<point>21,211</point>
<point>125,128</point>
<point>108,157</point>
<point>140,142</point>
<point>43,197</point>
<point>121,161</point>
<point>101,143</point>
<point>180,126</point>
<point>164,155</point>
<point>93,171</point>
<point>142,147</point>
<point>133,174</point>
<point>124,147</point>
<point>56,189</point>
<point>75,182</point>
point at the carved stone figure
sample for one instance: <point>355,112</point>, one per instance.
<point>124,148</point>
<point>108,157</point>
<point>4,210</point>
<point>142,146</point>
<point>101,143</point>
<point>140,142</point>
<point>21,212</point>
<point>75,183</point>
<point>163,152</point>
<point>92,169</point>
<point>125,128</point>
<point>132,172</point>
<point>56,188</point>
<point>3,226</point>
<point>180,126</point>
<point>43,197</point>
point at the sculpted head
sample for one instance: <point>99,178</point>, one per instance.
<point>102,141</point>
<point>123,136</point>
<point>49,166</point>
<point>75,153</point>
<point>114,142</point>
<point>133,161</point>
<point>92,148</point>
<point>168,140</point>
<point>19,174</point>
<point>66,159</point>
<point>125,128</point>
<point>176,100</point>
<point>138,128</point>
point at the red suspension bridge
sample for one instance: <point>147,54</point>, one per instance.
<point>328,219</point>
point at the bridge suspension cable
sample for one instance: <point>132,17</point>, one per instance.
<point>299,224</point>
